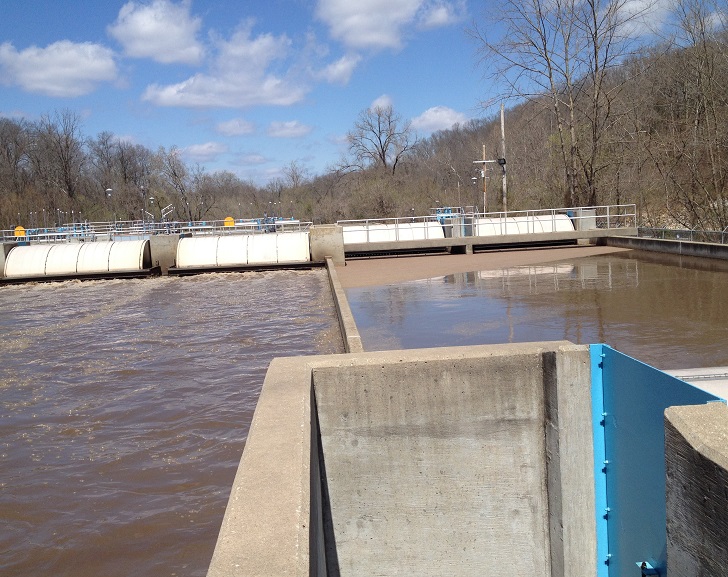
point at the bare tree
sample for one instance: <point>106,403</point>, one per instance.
<point>58,152</point>
<point>565,49</point>
<point>379,138</point>
<point>14,142</point>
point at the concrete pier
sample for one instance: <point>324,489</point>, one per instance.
<point>696,457</point>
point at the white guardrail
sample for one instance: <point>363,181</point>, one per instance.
<point>453,222</point>
<point>137,229</point>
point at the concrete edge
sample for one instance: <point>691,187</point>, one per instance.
<point>675,247</point>
<point>696,474</point>
<point>349,330</point>
<point>570,462</point>
<point>270,501</point>
<point>704,427</point>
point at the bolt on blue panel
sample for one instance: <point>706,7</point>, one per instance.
<point>629,399</point>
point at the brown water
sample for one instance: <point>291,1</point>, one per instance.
<point>124,406</point>
<point>670,313</point>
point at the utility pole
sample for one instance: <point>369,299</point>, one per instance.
<point>502,159</point>
<point>484,162</point>
<point>485,193</point>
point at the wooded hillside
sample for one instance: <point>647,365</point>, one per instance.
<point>644,124</point>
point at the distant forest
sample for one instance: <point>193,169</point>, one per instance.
<point>593,117</point>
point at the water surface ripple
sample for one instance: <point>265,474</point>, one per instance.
<point>124,406</point>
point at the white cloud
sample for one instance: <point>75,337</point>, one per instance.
<point>205,152</point>
<point>238,78</point>
<point>381,24</point>
<point>340,72</point>
<point>384,101</point>
<point>642,17</point>
<point>163,31</point>
<point>235,127</point>
<point>253,159</point>
<point>62,69</point>
<point>441,14</point>
<point>437,118</point>
<point>371,24</point>
<point>291,129</point>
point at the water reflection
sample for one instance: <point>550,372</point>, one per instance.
<point>669,313</point>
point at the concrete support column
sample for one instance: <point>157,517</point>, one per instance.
<point>696,478</point>
<point>164,251</point>
<point>327,240</point>
<point>4,250</point>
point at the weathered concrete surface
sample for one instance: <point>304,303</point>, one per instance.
<point>349,330</point>
<point>439,467</point>
<point>696,468</point>
<point>327,240</point>
<point>569,449</point>
<point>265,530</point>
<point>679,247</point>
<point>432,462</point>
<point>4,250</point>
<point>163,249</point>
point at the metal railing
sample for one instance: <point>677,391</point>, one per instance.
<point>455,222</point>
<point>612,216</point>
<point>396,229</point>
<point>692,235</point>
<point>137,229</point>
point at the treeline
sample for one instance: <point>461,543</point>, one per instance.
<point>645,125</point>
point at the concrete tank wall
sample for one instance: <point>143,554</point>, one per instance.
<point>327,241</point>
<point>696,475</point>
<point>454,461</point>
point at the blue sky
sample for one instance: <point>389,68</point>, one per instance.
<point>247,87</point>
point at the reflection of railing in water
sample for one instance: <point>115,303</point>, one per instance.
<point>553,278</point>
<point>90,231</point>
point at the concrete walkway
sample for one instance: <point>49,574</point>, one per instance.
<point>382,271</point>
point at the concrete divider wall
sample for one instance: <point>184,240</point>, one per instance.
<point>678,247</point>
<point>4,250</point>
<point>696,468</point>
<point>327,240</point>
<point>163,251</point>
<point>347,325</point>
<point>457,461</point>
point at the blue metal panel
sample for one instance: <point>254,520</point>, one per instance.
<point>600,478</point>
<point>635,397</point>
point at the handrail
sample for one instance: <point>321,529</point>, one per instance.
<point>686,234</point>
<point>606,217</point>
<point>116,230</point>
